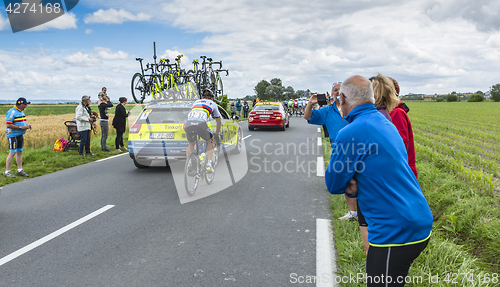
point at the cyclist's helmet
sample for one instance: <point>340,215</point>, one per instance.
<point>208,94</point>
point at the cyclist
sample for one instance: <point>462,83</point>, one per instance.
<point>300,103</point>
<point>295,106</point>
<point>197,125</point>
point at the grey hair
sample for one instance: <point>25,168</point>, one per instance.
<point>357,92</point>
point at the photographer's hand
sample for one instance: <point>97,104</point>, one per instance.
<point>308,110</point>
<point>352,187</point>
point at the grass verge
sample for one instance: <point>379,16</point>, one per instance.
<point>40,161</point>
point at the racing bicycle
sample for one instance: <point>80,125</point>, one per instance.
<point>196,162</point>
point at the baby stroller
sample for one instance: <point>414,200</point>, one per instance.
<point>74,134</point>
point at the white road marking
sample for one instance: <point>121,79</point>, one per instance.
<point>247,137</point>
<point>320,141</point>
<point>53,235</point>
<point>111,157</point>
<point>319,130</point>
<point>320,166</point>
<point>326,266</point>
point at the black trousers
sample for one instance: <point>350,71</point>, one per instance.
<point>388,266</point>
<point>119,139</point>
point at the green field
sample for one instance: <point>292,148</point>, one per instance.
<point>457,153</point>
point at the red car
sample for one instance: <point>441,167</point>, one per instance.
<point>268,115</point>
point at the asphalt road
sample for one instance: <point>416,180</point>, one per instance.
<point>256,232</point>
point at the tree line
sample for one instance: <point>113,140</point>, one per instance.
<point>274,90</point>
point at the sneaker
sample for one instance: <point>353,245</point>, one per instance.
<point>106,150</point>
<point>349,215</point>
<point>209,168</point>
<point>22,173</point>
<point>9,174</point>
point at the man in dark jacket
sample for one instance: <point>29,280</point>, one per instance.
<point>120,123</point>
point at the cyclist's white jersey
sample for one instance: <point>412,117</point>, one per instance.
<point>202,109</point>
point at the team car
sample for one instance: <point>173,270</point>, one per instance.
<point>158,133</point>
<point>268,114</point>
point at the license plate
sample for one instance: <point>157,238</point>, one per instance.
<point>162,136</point>
<point>264,116</point>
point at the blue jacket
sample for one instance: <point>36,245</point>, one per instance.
<point>371,150</point>
<point>329,116</point>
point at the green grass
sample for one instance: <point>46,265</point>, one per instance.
<point>37,162</point>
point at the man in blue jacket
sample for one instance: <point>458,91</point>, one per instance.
<point>331,118</point>
<point>369,162</point>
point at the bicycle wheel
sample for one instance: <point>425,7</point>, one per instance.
<point>218,88</point>
<point>191,174</point>
<point>209,177</point>
<point>138,87</point>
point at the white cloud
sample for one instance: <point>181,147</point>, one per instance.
<point>66,21</point>
<point>88,31</point>
<point>114,16</point>
<point>4,23</point>
<point>105,53</point>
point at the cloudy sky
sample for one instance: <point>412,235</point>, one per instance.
<point>429,46</point>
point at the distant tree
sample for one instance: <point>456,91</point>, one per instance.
<point>452,98</point>
<point>480,92</point>
<point>453,93</point>
<point>274,92</point>
<point>495,93</point>
<point>276,82</point>
<point>299,93</point>
<point>439,100</point>
<point>288,93</point>
<point>260,89</point>
<point>476,98</point>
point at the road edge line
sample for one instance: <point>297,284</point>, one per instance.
<point>53,235</point>
<point>326,265</point>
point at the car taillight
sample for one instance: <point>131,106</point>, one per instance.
<point>278,116</point>
<point>134,129</point>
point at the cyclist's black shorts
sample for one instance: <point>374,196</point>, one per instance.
<point>16,143</point>
<point>200,128</point>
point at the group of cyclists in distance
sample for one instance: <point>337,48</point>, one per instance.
<point>296,106</point>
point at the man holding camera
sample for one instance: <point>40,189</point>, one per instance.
<point>331,117</point>
<point>84,120</point>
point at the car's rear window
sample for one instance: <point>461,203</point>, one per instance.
<point>266,108</point>
<point>162,116</point>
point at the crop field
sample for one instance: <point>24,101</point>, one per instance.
<point>457,154</point>
<point>463,138</point>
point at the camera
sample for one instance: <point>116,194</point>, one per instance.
<point>322,100</point>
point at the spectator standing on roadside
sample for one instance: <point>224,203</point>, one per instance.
<point>245,109</point>
<point>84,120</point>
<point>238,108</point>
<point>120,123</point>
<point>385,95</point>
<point>233,109</point>
<point>16,128</point>
<point>104,104</point>
<point>331,117</point>
<point>399,218</point>
<point>400,119</point>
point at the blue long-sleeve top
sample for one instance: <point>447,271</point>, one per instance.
<point>330,117</point>
<point>371,151</point>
